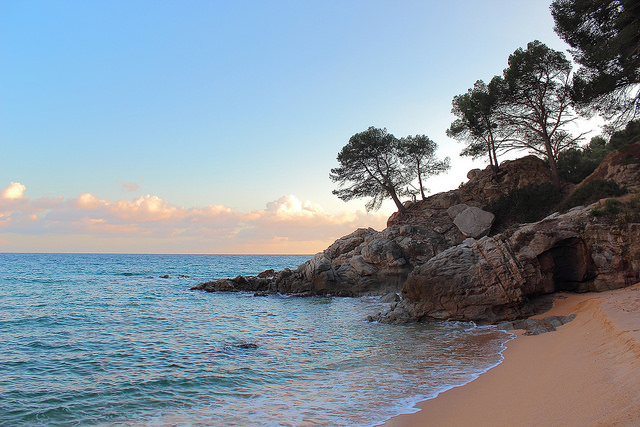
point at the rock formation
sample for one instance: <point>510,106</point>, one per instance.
<point>370,262</point>
<point>438,254</point>
<point>496,278</point>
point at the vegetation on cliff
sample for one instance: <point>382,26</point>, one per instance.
<point>529,107</point>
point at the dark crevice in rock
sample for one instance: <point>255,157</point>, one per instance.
<point>569,264</point>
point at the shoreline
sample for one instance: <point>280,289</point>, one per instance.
<point>587,372</point>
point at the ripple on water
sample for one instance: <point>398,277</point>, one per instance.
<point>91,340</point>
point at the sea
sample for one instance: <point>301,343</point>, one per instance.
<point>120,340</point>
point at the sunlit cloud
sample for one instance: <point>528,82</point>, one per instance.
<point>15,190</point>
<point>151,224</point>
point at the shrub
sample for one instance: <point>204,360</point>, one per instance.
<point>610,207</point>
<point>629,135</point>
<point>617,212</point>
<point>575,164</point>
<point>592,192</point>
<point>522,205</point>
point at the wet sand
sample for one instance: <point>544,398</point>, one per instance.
<point>587,373</point>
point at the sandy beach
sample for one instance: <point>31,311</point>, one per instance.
<point>587,373</point>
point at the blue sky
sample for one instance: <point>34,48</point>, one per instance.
<point>237,104</point>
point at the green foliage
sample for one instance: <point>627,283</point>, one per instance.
<point>629,135</point>
<point>378,165</point>
<point>523,205</point>
<point>370,167</point>
<point>576,164</point>
<point>477,122</point>
<point>418,154</point>
<point>610,207</point>
<point>604,35</point>
<point>536,102</point>
<point>618,212</point>
<point>592,192</point>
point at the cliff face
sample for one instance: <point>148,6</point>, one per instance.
<point>495,278</point>
<point>440,259</point>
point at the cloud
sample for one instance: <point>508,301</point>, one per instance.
<point>130,187</point>
<point>151,224</point>
<point>15,190</point>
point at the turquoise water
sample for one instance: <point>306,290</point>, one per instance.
<point>107,340</point>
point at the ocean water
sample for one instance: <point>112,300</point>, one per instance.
<point>94,339</point>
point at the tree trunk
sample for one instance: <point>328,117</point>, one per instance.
<point>420,182</point>
<point>396,200</point>
<point>495,158</point>
<point>492,149</point>
<point>555,175</point>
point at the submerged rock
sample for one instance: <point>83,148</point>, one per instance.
<point>248,345</point>
<point>537,326</point>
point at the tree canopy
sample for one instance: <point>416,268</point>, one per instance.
<point>375,164</point>
<point>477,122</point>
<point>528,107</point>
<point>418,153</point>
<point>605,37</point>
<point>536,104</point>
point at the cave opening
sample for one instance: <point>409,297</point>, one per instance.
<point>569,264</point>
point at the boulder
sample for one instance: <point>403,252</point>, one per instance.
<point>456,210</point>
<point>390,297</point>
<point>474,222</point>
<point>473,173</point>
<point>537,326</point>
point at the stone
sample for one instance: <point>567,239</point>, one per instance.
<point>456,210</point>
<point>390,297</point>
<point>267,274</point>
<point>473,173</point>
<point>474,222</point>
<point>536,326</point>
<point>247,346</point>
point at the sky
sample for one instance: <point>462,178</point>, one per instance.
<point>148,126</point>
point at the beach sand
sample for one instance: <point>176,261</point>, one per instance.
<point>586,373</point>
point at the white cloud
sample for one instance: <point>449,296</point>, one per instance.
<point>15,190</point>
<point>286,225</point>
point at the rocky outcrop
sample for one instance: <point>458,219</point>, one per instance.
<point>370,262</point>
<point>497,278</point>
<point>536,326</point>
<point>622,166</point>
<point>483,188</point>
<point>439,257</point>
<point>365,262</point>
